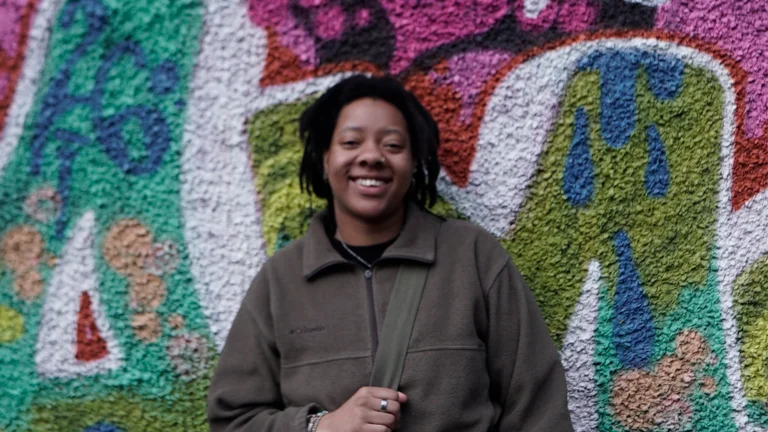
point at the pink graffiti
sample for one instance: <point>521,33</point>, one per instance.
<point>15,16</point>
<point>413,23</point>
<point>571,16</point>
<point>275,16</point>
<point>10,24</point>
<point>416,29</point>
<point>4,79</point>
<point>739,28</point>
<point>329,23</point>
<point>362,18</point>
<point>467,73</point>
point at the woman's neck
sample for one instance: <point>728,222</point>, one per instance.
<point>356,232</point>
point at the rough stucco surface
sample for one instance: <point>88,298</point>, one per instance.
<point>148,155</point>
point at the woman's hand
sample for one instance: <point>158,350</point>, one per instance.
<point>362,412</point>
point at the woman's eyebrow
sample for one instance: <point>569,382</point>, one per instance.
<point>394,131</point>
<point>386,131</point>
<point>351,129</point>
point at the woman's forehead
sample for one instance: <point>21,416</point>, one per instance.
<point>367,113</point>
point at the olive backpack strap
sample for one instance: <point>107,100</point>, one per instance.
<point>398,325</point>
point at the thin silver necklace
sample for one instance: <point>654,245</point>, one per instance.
<point>362,261</point>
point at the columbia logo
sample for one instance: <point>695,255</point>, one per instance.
<point>305,330</point>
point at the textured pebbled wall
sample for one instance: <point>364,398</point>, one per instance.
<point>148,158</point>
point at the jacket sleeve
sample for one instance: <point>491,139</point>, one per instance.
<point>245,388</point>
<point>527,377</point>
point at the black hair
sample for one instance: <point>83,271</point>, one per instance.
<point>318,121</point>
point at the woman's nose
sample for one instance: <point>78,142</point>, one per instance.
<point>371,155</point>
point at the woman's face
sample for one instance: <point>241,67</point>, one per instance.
<point>369,162</point>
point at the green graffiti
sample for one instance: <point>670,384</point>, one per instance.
<point>672,236</point>
<point>276,154</point>
<point>751,304</point>
<point>758,412</point>
<point>183,409</point>
<point>697,309</point>
<point>104,135</point>
<point>11,325</point>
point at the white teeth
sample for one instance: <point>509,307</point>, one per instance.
<point>369,182</point>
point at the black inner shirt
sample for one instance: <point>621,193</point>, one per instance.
<point>369,254</point>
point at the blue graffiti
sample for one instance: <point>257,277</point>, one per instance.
<point>102,427</point>
<point>58,101</point>
<point>657,170</point>
<point>618,77</point>
<point>633,332</point>
<point>618,118</point>
<point>579,174</point>
<point>633,326</point>
<point>665,75</point>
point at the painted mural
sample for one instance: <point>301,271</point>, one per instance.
<point>148,158</point>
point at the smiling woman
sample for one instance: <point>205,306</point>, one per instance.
<point>324,316</point>
<point>369,165</point>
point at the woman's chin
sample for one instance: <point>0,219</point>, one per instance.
<point>374,212</point>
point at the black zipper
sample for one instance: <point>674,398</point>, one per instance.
<point>372,324</point>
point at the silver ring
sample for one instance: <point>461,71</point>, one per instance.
<point>384,404</point>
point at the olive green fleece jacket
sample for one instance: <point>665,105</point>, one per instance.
<point>304,339</point>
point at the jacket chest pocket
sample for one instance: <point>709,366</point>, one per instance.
<point>324,331</point>
<point>325,354</point>
<point>328,382</point>
<point>451,316</point>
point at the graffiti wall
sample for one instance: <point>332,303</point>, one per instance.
<point>148,159</point>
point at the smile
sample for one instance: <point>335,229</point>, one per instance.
<point>369,182</point>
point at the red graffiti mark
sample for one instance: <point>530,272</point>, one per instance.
<point>450,91</point>
<point>750,155</point>
<point>445,105</point>
<point>15,22</point>
<point>90,345</point>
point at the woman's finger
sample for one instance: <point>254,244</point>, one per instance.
<point>375,428</point>
<point>386,393</point>
<point>392,406</point>
<point>379,418</point>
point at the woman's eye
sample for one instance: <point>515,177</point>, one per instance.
<point>349,143</point>
<point>394,145</point>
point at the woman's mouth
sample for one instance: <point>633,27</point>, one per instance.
<point>370,185</point>
<point>370,182</point>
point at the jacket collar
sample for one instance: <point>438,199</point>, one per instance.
<point>416,242</point>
